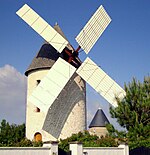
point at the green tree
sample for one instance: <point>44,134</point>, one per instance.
<point>133,112</point>
<point>112,132</point>
<point>14,135</point>
<point>11,134</point>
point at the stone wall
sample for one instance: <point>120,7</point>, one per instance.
<point>24,151</point>
<point>99,131</point>
<point>35,120</point>
<point>78,149</point>
<point>50,148</point>
<point>75,148</point>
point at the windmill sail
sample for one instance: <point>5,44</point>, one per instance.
<point>42,28</point>
<point>93,29</point>
<point>100,81</point>
<point>52,84</point>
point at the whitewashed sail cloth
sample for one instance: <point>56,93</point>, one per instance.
<point>100,81</point>
<point>93,29</point>
<point>42,28</point>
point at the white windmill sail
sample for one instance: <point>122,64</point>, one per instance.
<point>100,81</point>
<point>93,29</point>
<point>42,27</point>
<point>52,84</point>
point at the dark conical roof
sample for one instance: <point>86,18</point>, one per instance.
<point>99,120</point>
<point>46,56</point>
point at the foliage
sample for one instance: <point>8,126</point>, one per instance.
<point>11,134</point>
<point>87,141</point>
<point>14,135</point>
<point>24,143</point>
<point>135,144</point>
<point>135,107</point>
<point>128,137</point>
<point>27,143</point>
<point>37,144</point>
<point>133,113</point>
<point>120,136</point>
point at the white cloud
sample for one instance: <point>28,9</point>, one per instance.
<point>12,95</point>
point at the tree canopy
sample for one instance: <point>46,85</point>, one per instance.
<point>14,135</point>
<point>11,134</point>
<point>133,112</point>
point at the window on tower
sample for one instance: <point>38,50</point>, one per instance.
<point>37,109</point>
<point>38,81</point>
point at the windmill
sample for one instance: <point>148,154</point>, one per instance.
<point>68,63</point>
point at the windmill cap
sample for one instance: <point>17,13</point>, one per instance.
<point>46,56</point>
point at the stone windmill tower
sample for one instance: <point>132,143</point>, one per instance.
<point>72,99</point>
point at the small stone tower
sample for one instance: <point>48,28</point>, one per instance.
<point>68,113</point>
<point>98,124</point>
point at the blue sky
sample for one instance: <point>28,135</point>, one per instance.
<point>123,51</point>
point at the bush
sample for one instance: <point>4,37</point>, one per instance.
<point>88,141</point>
<point>27,143</point>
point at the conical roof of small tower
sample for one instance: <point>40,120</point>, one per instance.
<point>46,56</point>
<point>99,120</point>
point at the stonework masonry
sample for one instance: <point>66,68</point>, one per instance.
<point>35,120</point>
<point>68,105</point>
<point>99,131</point>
